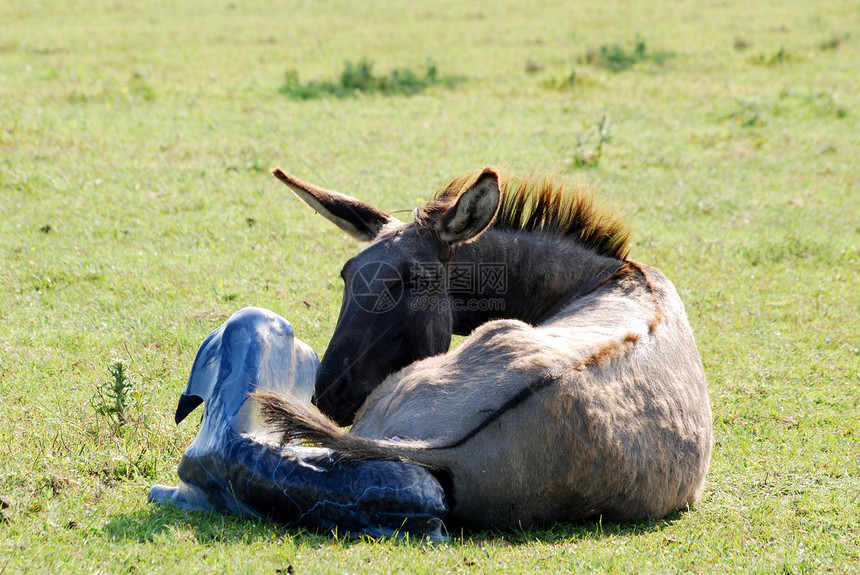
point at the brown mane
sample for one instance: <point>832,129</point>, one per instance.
<point>547,204</point>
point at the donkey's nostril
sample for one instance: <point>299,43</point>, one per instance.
<point>340,384</point>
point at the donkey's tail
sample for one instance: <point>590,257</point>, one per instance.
<point>293,420</point>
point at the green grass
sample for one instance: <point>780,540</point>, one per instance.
<point>137,213</point>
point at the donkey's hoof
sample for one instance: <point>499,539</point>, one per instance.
<point>184,496</point>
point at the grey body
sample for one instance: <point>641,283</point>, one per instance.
<point>623,431</point>
<point>583,396</point>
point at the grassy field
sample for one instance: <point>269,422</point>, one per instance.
<point>137,213</point>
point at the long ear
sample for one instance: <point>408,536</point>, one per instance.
<point>473,212</point>
<point>361,221</point>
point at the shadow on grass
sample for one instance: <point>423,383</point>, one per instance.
<point>155,521</point>
<point>586,530</point>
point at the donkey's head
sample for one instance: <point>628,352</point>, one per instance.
<point>395,309</point>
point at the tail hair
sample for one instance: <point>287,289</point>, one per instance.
<point>295,421</point>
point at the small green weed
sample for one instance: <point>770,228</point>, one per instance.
<point>138,88</point>
<point>788,249</point>
<point>113,398</point>
<point>831,43</point>
<point>141,88</point>
<point>533,67</point>
<point>359,78</point>
<point>124,448</point>
<point>617,59</point>
<point>809,105</point>
<point>587,154</point>
<point>562,84</point>
<point>781,56</point>
<point>789,104</point>
<point>747,114</point>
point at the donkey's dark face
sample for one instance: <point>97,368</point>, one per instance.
<point>387,320</point>
<point>395,307</point>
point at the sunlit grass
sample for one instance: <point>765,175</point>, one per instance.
<point>137,213</point>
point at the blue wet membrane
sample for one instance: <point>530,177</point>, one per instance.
<point>235,465</point>
<point>307,486</point>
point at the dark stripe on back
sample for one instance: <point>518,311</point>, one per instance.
<point>510,404</point>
